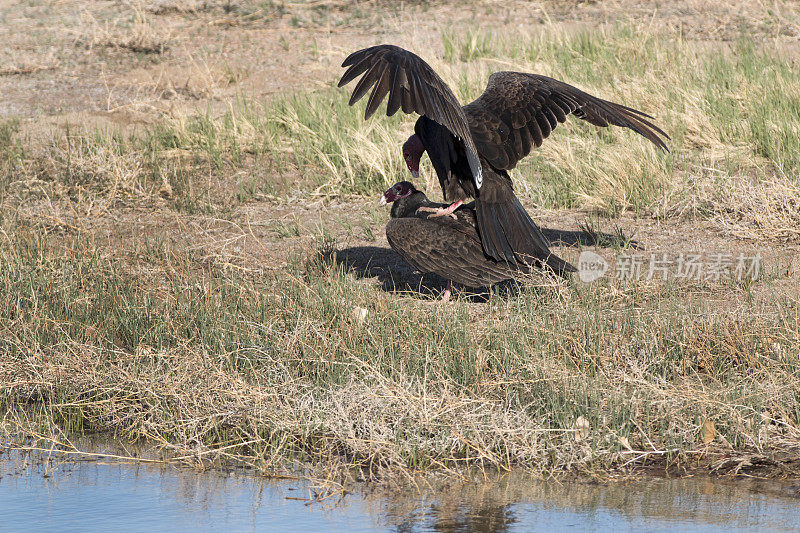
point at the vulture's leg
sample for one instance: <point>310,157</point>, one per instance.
<point>451,289</point>
<point>442,211</point>
<point>447,292</point>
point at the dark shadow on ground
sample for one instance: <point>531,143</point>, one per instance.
<point>396,275</point>
<point>558,237</point>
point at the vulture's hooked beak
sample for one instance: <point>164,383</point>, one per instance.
<point>415,174</point>
<point>382,201</point>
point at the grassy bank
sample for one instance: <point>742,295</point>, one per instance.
<point>213,282</point>
<point>217,365</point>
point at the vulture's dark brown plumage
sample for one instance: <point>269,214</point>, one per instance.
<point>473,147</point>
<point>449,247</point>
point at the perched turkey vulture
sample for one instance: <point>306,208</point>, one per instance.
<point>473,147</point>
<point>448,245</point>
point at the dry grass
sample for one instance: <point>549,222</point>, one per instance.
<point>134,32</point>
<point>165,7</point>
<point>327,149</point>
<point>276,370</point>
<point>704,100</point>
<point>764,210</point>
<point>164,280</point>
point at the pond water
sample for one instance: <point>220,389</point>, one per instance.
<point>38,494</point>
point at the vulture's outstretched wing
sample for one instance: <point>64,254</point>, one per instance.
<point>411,85</point>
<point>518,111</point>
<point>442,247</point>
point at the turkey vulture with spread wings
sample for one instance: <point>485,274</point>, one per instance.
<point>449,245</point>
<point>473,147</point>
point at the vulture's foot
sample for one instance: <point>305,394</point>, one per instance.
<point>449,291</point>
<point>442,211</point>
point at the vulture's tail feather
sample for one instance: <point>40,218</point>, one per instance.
<point>508,234</point>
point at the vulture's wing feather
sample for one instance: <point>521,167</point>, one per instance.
<point>518,111</point>
<point>447,248</point>
<point>412,86</point>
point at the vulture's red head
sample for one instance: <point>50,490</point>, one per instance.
<point>412,153</point>
<point>398,190</point>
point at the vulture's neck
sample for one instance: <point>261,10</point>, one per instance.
<point>407,207</point>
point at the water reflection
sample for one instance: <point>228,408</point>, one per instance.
<point>477,508</point>
<point>42,495</point>
<point>494,518</point>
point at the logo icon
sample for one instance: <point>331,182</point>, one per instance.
<point>591,266</point>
